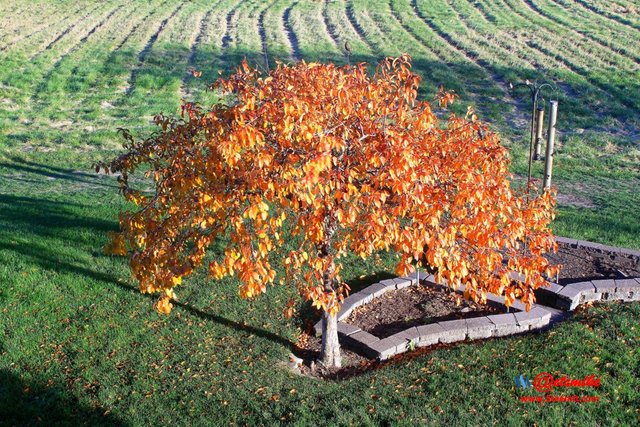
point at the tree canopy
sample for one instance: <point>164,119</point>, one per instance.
<point>346,161</point>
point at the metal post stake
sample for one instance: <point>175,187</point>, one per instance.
<point>534,90</point>
<point>551,138</point>
<point>539,129</point>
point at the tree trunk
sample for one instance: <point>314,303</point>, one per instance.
<point>330,353</point>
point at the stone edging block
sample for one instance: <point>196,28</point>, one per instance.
<point>506,324</point>
<point>363,341</point>
<point>479,327</point>
<point>453,330</point>
<point>574,294</point>
<point>535,318</point>
<point>429,334</point>
<point>569,296</point>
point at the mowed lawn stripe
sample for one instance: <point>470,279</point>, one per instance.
<point>600,11</point>
<point>470,27</point>
<point>363,34</point>
<point>138,22</point>
<point>450,36</point>
<point>142,55</point>
<point>586,66</point>
<point>16,31</point>
<point>130,34</point>
<point>34,44</point>
<point>479,33</point>
<point>97,41</point>
<point>34,79</point>
<point>232,51</point>
<point>608,45</point>
<point>207,57</point>
<point>292,38</point>
<point>581,58</point>
<point>18,22</point>
<point>245,39</point>
<point>314,40</point>
<point>329,27</point>
<point>264,42</point>
<point>82,24</point>
<point>242,38</point>
<point>598,22</point>
<point>205,20</point>
<point>546,56</point>
<point>440,62</point>
<point>338,21</point>
<point>278,44</point>
<point>156,80</point>
<point>382,26</point>
<point>465,66</point>
<point>594,53</point>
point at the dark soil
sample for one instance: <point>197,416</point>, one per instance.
<point>582,264</point>
<point>398,310</point>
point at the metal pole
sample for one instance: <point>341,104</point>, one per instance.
<point>551,137</point>
<point>539,127</point>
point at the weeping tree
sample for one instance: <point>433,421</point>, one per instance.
<point>342,161</point>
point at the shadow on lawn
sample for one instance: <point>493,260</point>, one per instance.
<point>39,256</point>
<point>38,402</point>
<point>240,327</point>
<point>49,219</point>
<point>52,172</point>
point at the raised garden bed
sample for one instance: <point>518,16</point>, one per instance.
<point>397,315</point>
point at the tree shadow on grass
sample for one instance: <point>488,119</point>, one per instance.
<point>39,256</point>
<point>240,327</point>
<point>38,402</point>
<point>45,219</point>
<point>52,172</point>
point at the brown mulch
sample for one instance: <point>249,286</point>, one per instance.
<point>581,264</point>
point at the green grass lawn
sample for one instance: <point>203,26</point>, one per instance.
<point>80,344</point>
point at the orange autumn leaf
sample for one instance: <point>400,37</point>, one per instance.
<point>163,305</point>
<point>116,245</point>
